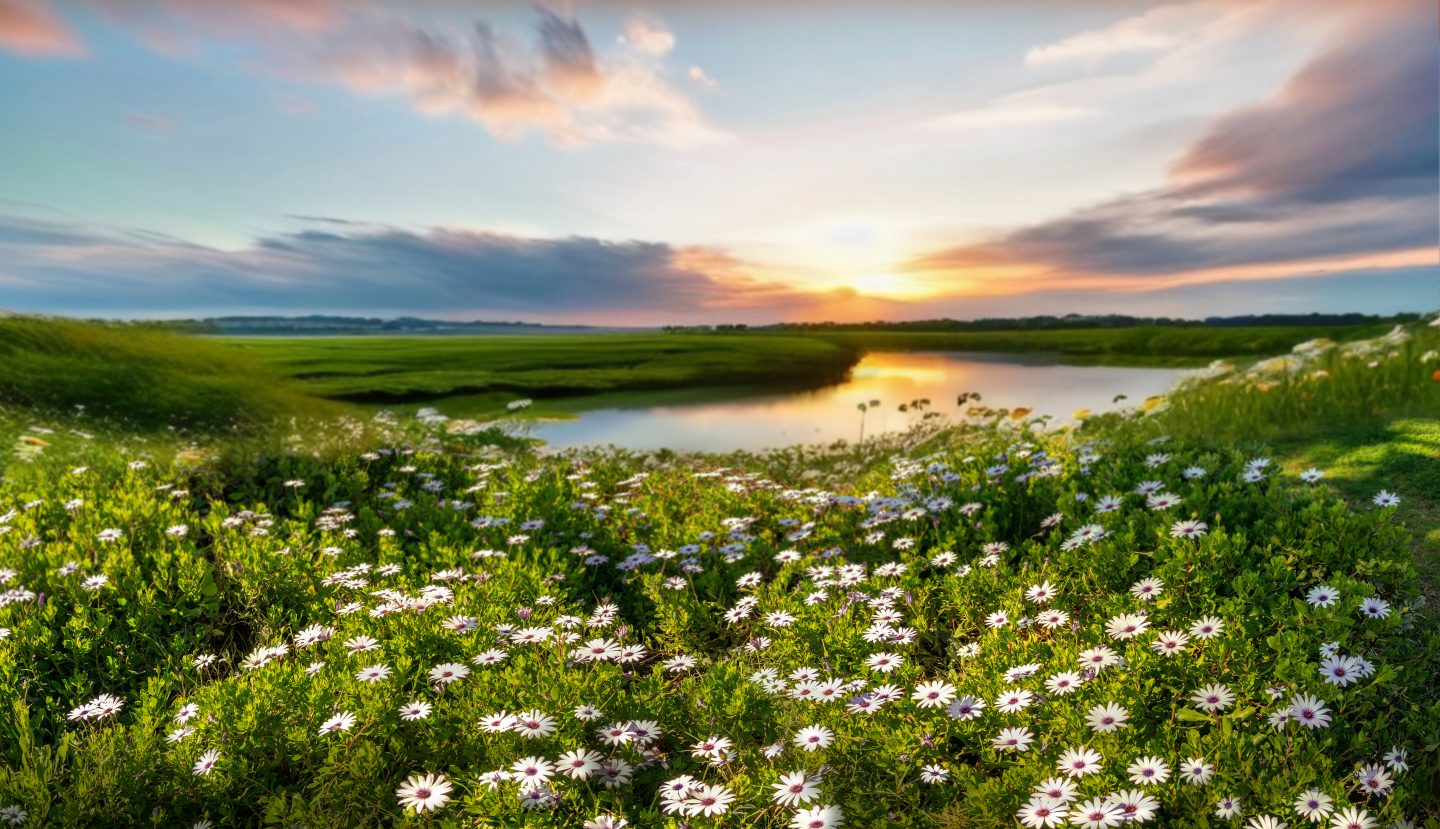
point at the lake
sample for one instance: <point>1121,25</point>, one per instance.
<point>828,414</point>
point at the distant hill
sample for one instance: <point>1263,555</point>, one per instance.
<point>320,324</point>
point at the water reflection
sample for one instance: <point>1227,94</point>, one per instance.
<point>824,415</point>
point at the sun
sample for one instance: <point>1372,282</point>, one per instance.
<point>887,284</point>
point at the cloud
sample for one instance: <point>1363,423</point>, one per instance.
<point>1341,162</point>
<point>341,265</point>
<point>29,27</point>
<point>556,84</point>
<point>648,37</point>
<point>1008,112</point>
<point>1155,31</point>
<point>701,77</point>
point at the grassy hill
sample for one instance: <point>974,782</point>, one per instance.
<point>138,377</point>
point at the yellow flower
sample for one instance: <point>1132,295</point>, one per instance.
<point>1079,414</point>
<point>1152,403</point>
<point>1020,413</point>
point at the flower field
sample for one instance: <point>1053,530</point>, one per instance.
<point>973,627</point>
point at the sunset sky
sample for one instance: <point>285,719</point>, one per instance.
<point>692,161</point>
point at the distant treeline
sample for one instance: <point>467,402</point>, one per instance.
<point>1069,321</point>
<point>324,324</point>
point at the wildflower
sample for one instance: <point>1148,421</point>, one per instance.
<point>374,673</point>
<point>1148,771</point>
<point>1013,701</point>
<point>206,763</point>
<point>1207,627</point>
<point>1170,643</point>
<point>415,710</point>
<point>1148,589</point>
<point>1266,822</point>
<point>1127,626</point>
<point>445,673</point>
<point>965,708</point>
<point>340,722</point>
<point>1041,813</point>
<point>1196,771</point>
<point>579,764</point>
<point>1227,808</point>
<point>533,724</point>
<point>1386,498</point>
<point>1352,817</point>
<point>933,694</point>
<point>1106,718</point>
<point>1063,683</point>
<point>1098,658</point>
<point>1374,608</point>
<point>1078,762</point>
<point>1096,814</point>
<point>1212,698</point>
<point>1041,593</point>
<point>708,801</point>
<point>1055,788</point>
<point>818,817</point>
<point>814,736</point>
<point>934,774</point>
<point>361,644</point>
<point>1013,739</point>
<point>1135,806</point>
<point>1189,528</point>
<point>1309,711</point>
<point>532,772</point>
<point>1374,779</point>
<point>424,792</point>
<point>1314,805</point>
<point>1340,670</point>
<point>794,788</point>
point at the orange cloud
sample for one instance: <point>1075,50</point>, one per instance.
<point>28,27</point>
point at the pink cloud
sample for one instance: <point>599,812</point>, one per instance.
<point>28,27</point>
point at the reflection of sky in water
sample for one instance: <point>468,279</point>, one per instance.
<point>1004,381</point>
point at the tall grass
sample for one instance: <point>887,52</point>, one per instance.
<point>139,377</point>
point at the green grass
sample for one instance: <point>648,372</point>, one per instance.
<point>400,369</point>
<point>1400,456</point>
<point>262,559</point>
<point>138,377</point>
<point>1156,346</point>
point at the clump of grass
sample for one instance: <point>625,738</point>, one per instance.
<point>139,377</point>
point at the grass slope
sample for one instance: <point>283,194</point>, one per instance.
<point>139,377</point>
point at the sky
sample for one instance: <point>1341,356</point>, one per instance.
<point>681,162</point>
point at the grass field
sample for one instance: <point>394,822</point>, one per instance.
<point>398,369</point>
<point>571,373</point>
<point>1137,346</point>
<point>341,623</point>
<point>140,378</point>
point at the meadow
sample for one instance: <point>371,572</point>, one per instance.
<point>568,373</point>
<point>1162,616</point>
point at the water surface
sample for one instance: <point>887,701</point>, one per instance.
<point>828,414</point>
